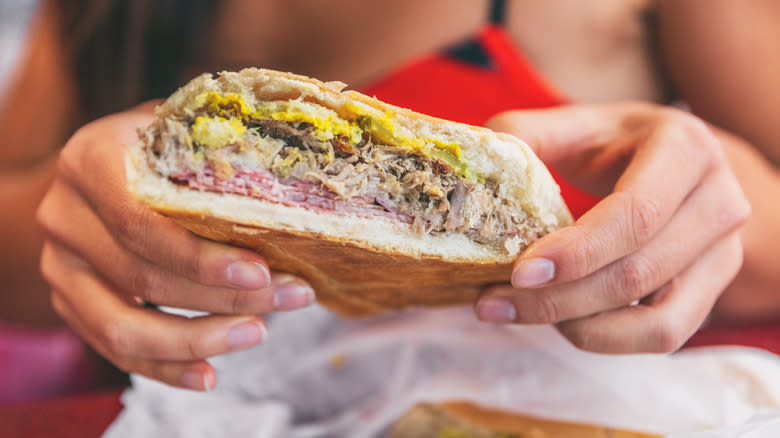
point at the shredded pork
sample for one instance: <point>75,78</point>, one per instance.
<point>285,162</point>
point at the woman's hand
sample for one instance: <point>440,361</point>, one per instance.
<point>640,271</point>
<point>106,255</point>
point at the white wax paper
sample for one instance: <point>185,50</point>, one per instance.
<point>319,376</point>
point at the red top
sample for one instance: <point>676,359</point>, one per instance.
<point>443,86</point>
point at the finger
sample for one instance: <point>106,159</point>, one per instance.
<point>125,330</point>
<point>286,292</point>
<point>93,163</point>
<point>556,134</point>
<point>137,277</point>
<point>197,375</point>
<point>666,324</point>
<point>705,218</point>
<point>567,134</point>
<point>663,172</point>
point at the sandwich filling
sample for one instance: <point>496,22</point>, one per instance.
<point>302,154</point>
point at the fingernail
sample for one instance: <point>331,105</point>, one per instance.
<point>194,380</point>
<point>208,384</point>
<point>246,335</point>
<point>292,295</point>
<point>248,275</point>
<point>497,310</point>
<point>533,272</point>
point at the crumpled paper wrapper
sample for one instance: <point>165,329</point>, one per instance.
<point>319,376</point>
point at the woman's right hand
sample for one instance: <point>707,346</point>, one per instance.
<point>106,254</point>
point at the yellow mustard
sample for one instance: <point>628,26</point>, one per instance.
<point>218,131</point>
<point>214,103</point>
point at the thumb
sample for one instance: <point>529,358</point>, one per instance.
<point>561,133</point>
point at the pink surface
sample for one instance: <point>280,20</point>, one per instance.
<point>37,364</point>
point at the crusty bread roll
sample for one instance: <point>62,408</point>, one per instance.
<point>360,260</point>
<point>462,419</point>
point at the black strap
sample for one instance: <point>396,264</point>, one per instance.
<point>471,51</point>
<point>497,12</point>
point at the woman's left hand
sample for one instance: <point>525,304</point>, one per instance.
<point>642,269</point>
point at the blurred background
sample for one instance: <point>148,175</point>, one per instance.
<point>15,17</point>
<point>38,362</point>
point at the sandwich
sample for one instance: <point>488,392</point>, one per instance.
<point>461,419</point>
<point>377,206</point>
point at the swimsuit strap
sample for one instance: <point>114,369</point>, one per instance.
<point>497,12</point>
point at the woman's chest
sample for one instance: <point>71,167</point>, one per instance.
<point>594,51</point>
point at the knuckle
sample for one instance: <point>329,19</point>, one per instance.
<point>581,255</point>
<point>668,336</point>
<point>735,210</point>
<point>47,265</point>
<point>733,216</point>
<point>195,267</point>
<point>71,159</point>
<point>743,209</point>
<point>578,335</point>
<point>636,277</point>
<point>632,108</point>
<point>143,284</point>
<point>645,215</point>
<point>738,254</point>
<point>503,121</point>
<point>694,135</point>
<point>67,161</point>
<point>734,256</point>
<point>50,219</point>
<point>633,115</point>
<point>124,364</point>
<point>544,309</point>
<point>43,216</point>
<point>125,226</point>
<point>193,349</point>
<point>116,339</point>
<point>154,286</point>
<point>131,226</point>
<point>238,301</point>
<point>58,303</point>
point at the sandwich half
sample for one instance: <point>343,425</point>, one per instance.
<point>377,206</point>
<point>462,419</point>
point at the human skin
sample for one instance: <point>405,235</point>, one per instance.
<point>125,260</point>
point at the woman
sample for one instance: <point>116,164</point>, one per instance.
<point>672,231</point>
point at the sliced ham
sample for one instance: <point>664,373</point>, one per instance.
<point>263,185</point>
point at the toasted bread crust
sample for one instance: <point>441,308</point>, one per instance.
<point>352,280</point>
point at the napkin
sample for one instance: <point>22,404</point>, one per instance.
<point>320,376</point>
